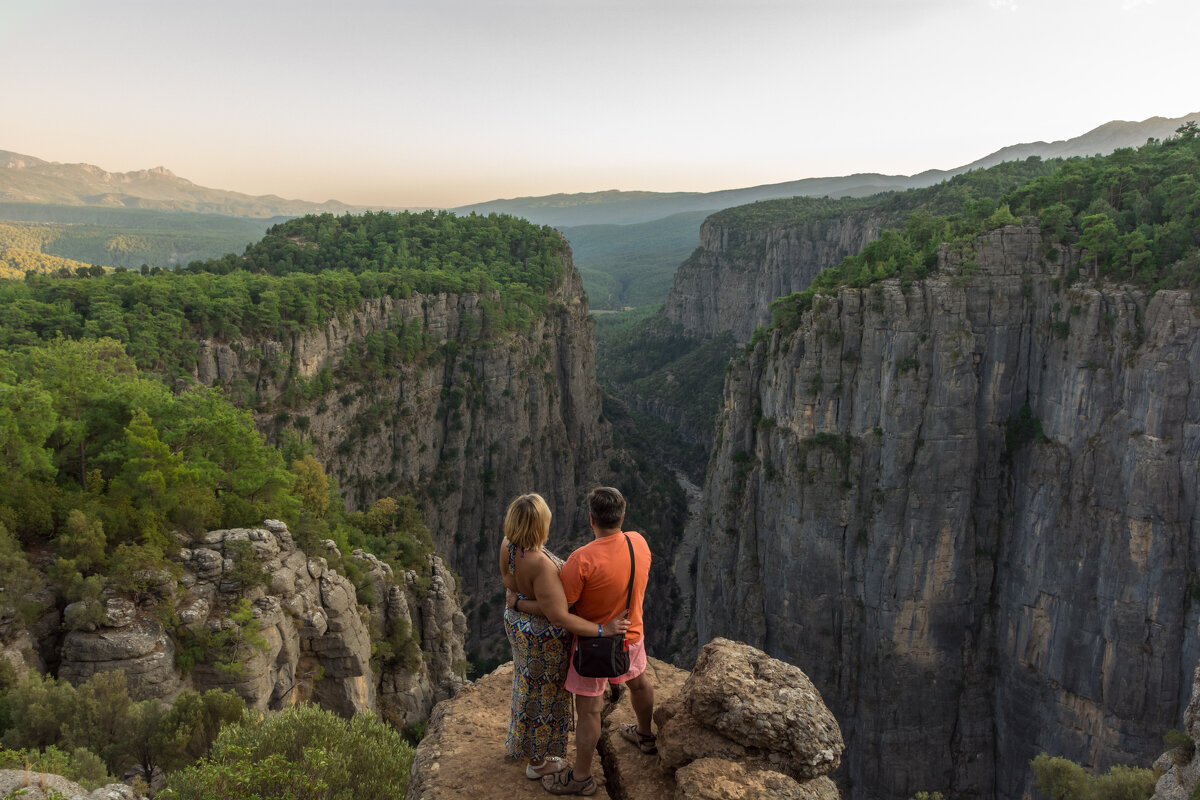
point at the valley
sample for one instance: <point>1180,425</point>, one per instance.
<point>935,447</point>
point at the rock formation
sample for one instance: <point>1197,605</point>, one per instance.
<point>1180,766</point>
<point>315,636</point>
<point>729,283</point>
<point>742,726</point>
<point>968,510</point>
<point>45,786</point>
<point>476,418</point>
<point>741,704</point>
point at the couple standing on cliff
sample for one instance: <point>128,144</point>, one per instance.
<point>550,600</point>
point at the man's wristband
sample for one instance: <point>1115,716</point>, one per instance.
<point>599,630</point>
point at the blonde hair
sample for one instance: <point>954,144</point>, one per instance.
<point>527,522</point>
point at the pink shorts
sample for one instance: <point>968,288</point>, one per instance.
<point>594,687</point>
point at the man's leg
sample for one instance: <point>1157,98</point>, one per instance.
<point>587,732</point>
<point>641,696</point>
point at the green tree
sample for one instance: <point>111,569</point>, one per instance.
<point>1059,778</point>
<point>1002,216</point>
<point>198,718</point>
<point>81,542</point>
<point>1063,779</point>
<point>76,373</point>
<point>312,486</point>
<point>17,577</point>
<point>39,707</point>
<point>98,719</point>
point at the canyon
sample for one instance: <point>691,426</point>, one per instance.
<point>472,423</point>
<point>967,510</point>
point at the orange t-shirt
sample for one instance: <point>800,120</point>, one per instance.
<point>596,578</point>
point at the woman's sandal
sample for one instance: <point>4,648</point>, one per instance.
<point>565,782</point>
<point>533,774</point>
<point>646,742</point>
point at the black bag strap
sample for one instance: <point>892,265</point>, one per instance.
<point>629,591</point>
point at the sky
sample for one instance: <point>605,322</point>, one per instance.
<point>408,103</point>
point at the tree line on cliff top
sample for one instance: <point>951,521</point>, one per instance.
<point>301,274</point>
<point>1135,214</point>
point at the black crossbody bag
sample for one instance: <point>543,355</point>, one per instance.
<point>605,656</point>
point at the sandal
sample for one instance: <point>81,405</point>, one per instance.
<point>565,782</point>
<point>646,742</point>
<point>533,774</point>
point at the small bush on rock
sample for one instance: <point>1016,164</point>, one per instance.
<point>304,752</point>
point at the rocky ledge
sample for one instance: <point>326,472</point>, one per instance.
<point>740,725</point>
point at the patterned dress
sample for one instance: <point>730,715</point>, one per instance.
<point>540,705</point>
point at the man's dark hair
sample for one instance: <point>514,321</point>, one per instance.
<point>607,506</point>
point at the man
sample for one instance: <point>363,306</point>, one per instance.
<point>595,581</point>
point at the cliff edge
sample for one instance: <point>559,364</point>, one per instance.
<point>740,725</point>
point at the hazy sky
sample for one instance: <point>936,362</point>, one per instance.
<point>412,103</point>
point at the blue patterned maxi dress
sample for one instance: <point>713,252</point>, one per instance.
<point>540,705</point>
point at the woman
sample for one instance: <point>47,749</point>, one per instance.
<point>540,705</point>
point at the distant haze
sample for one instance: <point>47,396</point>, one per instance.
<point>443,103</point>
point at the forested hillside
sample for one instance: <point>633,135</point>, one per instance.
<point>301,274</point>
<point>111,237</point>
<point>116,464</point>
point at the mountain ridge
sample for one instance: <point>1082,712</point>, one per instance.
<point>1104,138</point>
<point>28,179</point>
<point>82,184</point>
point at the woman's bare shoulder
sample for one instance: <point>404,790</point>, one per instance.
<point>538,563</point>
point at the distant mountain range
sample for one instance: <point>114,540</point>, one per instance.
<point>626,243</point>
<point>622,208</point>
<point>28,180</point>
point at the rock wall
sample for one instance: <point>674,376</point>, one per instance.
<point>480,416</point>
<point>729,283</point>
<point>969,511</point>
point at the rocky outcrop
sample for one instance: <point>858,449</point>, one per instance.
<point>46,786</point>
<point>473,416</point>
<point>742,705</point>
<point>969,510</point>
<point>729,283</point>
<point>1180,767</point>
<point>315,643</point>
<point>769,736</point>
<point>139,646</point>
<point>301,634</point>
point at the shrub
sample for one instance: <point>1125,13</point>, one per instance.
<point>80,765</point>
<point>303,752</point>
<point>1063,779</point>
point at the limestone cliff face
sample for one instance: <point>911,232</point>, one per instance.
<point>479,416</point>
<point>729,283</point>
<point>969,511</point>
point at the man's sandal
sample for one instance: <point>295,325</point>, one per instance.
<point>646,742</point>
<point>565,782</point>
<point>551,765</point>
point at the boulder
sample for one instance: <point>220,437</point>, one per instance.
<point>142,649</point>
<point>119,612</point>
<point>767,706</point>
